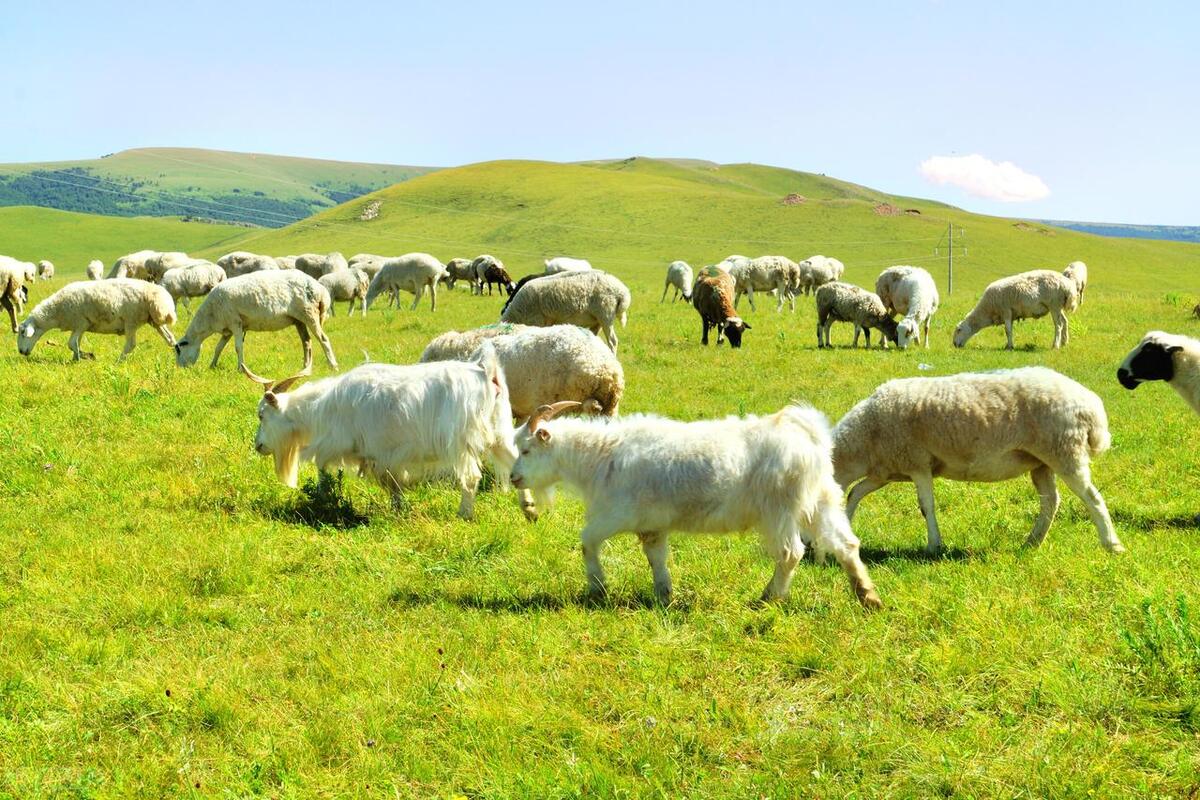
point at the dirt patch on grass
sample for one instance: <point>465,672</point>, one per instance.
<point>887,210</point>
<point>794,199</point>
<point>1025,226</point>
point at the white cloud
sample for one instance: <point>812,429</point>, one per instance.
<point>982,177</point>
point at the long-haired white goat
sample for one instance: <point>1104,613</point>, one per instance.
<point>394,423</point>
<point>651,475</point>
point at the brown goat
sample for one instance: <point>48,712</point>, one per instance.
<point>712,296</point>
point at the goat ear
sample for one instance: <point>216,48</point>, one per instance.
<point>271,398</point>
<point>543,435</point>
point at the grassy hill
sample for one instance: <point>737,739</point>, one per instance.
<point>174,622</point>
<point>258,189</point>
<point>71,240</point>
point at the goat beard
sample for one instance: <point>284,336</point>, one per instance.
<point>287,462</point>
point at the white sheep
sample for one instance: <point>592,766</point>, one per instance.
<point>765,274</point>
<point>14,277</point>
<point>588,298</point>
<point>1029,295</point>
<point>989,426</point>
<point>45,270</point>
<point>650,476</point>
<point>1077,272</point>
<point>368,263</point>
<point>462,269</point>
<point>816,271</point>
<point>131,265</point>
<point>230,262</point>
<point>260,301</point>
<point>347,284</point>
<point>909,291</point>
<point>316,266</point>
<point>95,269</point>
<point>249,264</point>
<point>732,261</point>
<point>413,272</point>
<point>679,275</point>
<point>196,279</point>
<point>394,423</point>
<point>154,267</point>
<point>844,302</point>
<point>285,262</point>
<point>118,306</point>
<point>566,264</point>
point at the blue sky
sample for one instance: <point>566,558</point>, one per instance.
<point>1094,104</point>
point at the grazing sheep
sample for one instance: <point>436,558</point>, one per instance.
<point>45,270</point>
<point>95,269</point>
<point>766,274</point>
<point>490,270</point>
<point>816,271</point>
<point>394,423</point>
<point>259,301</point>
<point>1029,295</point>
<point>712,297</point>
<point>194,280</point>
<point>132,265</point>
<point>14,275</point>
<point>733,261</point>
<point>348,284</point>
<point>461,269</point>
<point>988,426</point>
<point>413,272</point>
<point>566,264</point>
<point>588,298</point>
<point>154,267</point>
<point>1077,271</point>
<point>368,263</point>
<point>316,266</point>
<point>120,306</point>
<point>517,288</point>
<point>1165,357</point>
<point>285,262</point>
<point>230,261</point>
<point>651,476</point>
<point>844,302</point>
<point>909,291</point>
<point>679,275</point>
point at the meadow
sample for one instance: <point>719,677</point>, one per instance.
<point>174,622</point>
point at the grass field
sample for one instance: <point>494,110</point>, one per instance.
<point>175,623</point>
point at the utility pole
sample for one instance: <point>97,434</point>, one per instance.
<point>950,256</point>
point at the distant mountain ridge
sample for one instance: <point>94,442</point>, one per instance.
<point>1170,233</point>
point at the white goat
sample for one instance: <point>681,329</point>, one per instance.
<point>988,426</point>
<point>650,476</point>
<point>394,423</point>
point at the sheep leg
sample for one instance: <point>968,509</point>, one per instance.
<point>780,292</point>
<point>592,538</point>
<point>924,484</point>
<point>1008,330</point>
<point>856,332</point>
<point>654,545</point>
<point>927,319</point>
<point>417,298</point>
<point>861,490</point>
<point>610,336</point>
<point>1080,482</point>
<point>333,309</point>
<point>74,342</point>
<point>305,342</point>
<point>1043,481</point>
<point>750,298</point>
<point>1060,329</point>
<point>220,346</point>
<point>822,336</point>
<point>704,337</point>
<point>830,532</point>
<point>12,314</point>
<point>326,346</point>
<point>130,343</point>
<point>165,333</point>
<point>433,295</point>
<point>239,347</point>
<point>664,297</point>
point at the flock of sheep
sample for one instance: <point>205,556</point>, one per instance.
<point>499,393</point>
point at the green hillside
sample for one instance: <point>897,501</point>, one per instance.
<point>71,240</point>
<point>632,217</point>
<point>258,189</point>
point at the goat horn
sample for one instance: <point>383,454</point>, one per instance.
<point>266,383</point>
<point>546,413</point>
<point>286,383</point>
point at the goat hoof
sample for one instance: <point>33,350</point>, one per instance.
<point>1116,548</point>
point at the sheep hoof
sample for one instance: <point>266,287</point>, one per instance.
<point>88,356</point>
<point>869,599</point>
<point>1116,548</point>
<point>530,513</point>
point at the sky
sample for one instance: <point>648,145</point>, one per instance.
<point>1058,110</point>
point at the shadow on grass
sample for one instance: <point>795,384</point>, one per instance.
<point>535,601</point>
<point>881,555</point>
<point>322,503</point>
<point>1146,522</point>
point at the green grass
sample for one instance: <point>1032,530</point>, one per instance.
<point>176,623</point>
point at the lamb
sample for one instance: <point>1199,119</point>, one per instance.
<point>120,305</point>
<point>679,275</point>
<point>394,423</point>
<point>712,297</point>
<point>45,270</point>
<point>987,426</point>
<point>414,272</point>
<point>317,266</point>
<point>844,302</point>
<point>131,265</point>
<point>461,269</point>
<point>1165,357</point>
<point>1077,271</point>
<point>651,475</point>
<point>765,274</point>
<point>347,284</point>
<point>588,298</point>
<point>489,270</point>
<point>816,271</point>
<point>909,291</point>
<point>194,280</point>
<point>566,264</point>
<point>95,270</point>
<point>1029,295</point>
<point>259,301</point>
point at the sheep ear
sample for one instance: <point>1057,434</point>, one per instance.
<point>745,325</point>
<point>543,435</point>
<point>1174,348</point>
